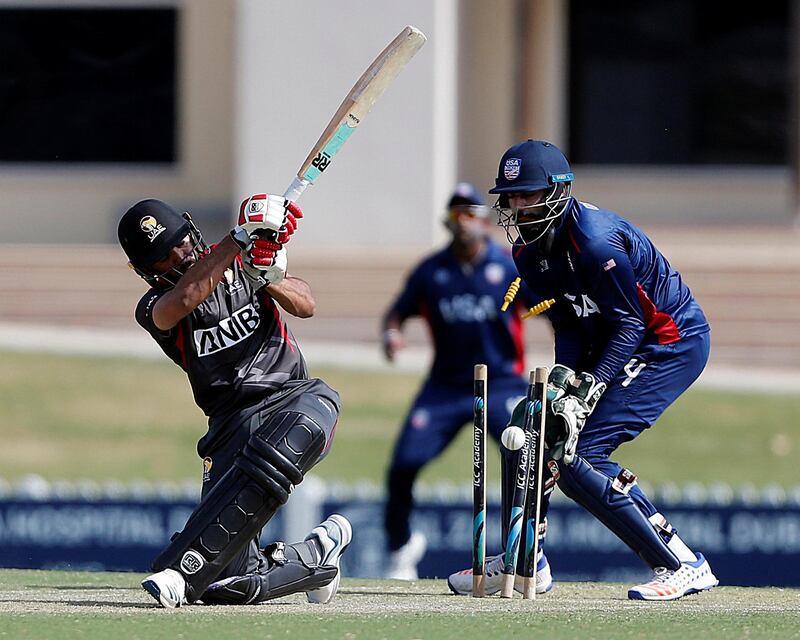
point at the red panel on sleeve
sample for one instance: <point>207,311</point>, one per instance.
<point>660,323</point>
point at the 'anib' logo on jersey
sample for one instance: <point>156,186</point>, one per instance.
<point>228,332</point>
<point>511,168</point>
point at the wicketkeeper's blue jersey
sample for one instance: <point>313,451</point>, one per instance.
<point>614,291</point>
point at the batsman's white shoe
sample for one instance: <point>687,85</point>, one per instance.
<point>691,577</point>
<point>460,583</point>
<point>333,535</point>
<point>403,562</point>
<point>167,587</point>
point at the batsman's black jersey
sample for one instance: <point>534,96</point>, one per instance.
<point>235,347</point>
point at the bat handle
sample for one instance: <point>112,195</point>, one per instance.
<point>296,189</point>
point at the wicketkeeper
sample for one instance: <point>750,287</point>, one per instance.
<point>629,339</point>
<point>216,313</point>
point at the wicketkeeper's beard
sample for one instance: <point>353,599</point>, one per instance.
<point>531,232</point>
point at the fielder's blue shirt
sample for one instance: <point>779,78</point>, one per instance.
<point>614,291</point>
<point>461,305</point>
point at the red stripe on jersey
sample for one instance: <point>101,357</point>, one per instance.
<point>518,250</point>
<point>180,344</point>
<point>660,323</point>
<point>517,337</point>
<point>281,325</point>
<point>573,241</point>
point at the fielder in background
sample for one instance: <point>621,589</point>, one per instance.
<point>215,313</point>
<point>458,291</point>
<point>629,339</point>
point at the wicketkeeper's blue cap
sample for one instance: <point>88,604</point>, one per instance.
<point>530,166</point>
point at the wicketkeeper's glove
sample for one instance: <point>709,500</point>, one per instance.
<point>580,395</point>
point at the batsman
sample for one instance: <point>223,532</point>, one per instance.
<point>629,339</point>
<point>216,313</point>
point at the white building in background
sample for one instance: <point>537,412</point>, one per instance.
<point>257,80</point>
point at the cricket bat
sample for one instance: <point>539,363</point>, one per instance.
<point>356,106</point>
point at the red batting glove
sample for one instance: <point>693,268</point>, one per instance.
<point>262,252</point>
<point>293,214</point>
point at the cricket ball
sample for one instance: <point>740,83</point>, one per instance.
<point>513,438</point>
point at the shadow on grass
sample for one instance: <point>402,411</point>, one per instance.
<point>86,603</point>
<point>103,587</point>
<point>411,594</point>
<point>104,603</point>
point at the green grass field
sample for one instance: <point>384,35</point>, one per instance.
<point>102,418</point>
<point>64,605</point>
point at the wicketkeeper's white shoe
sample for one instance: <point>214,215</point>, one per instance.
<point>167,587</point>
<point>460,583</point>
<point>403,562</point>
<point>333,536</point>
<point>691,577</point>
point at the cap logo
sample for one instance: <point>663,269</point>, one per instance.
<point>511,168</point>
<point>151,227</point>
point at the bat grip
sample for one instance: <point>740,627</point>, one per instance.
<point>295,190</point>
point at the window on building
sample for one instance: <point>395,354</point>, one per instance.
<point>88,85</point>
<point>679,82</point>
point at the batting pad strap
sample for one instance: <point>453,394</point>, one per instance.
<point>663,526</point>
<point>542,530</point>
<point>624,482</point>
<point>553,474</point>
